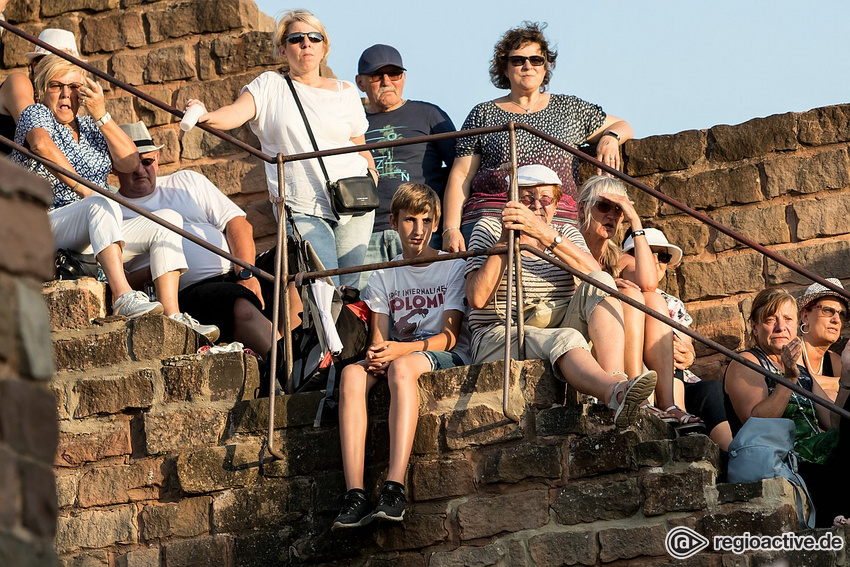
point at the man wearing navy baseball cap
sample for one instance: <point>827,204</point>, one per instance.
<point>381,75</point>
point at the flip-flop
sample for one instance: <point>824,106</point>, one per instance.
<point>633,392</point>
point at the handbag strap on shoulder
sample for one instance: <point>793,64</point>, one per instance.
<point>307,124</point>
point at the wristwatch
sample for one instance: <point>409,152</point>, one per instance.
<point>103,120</point>
<point>613,134</point>
<point>557,240</point>
<point>244,274</point>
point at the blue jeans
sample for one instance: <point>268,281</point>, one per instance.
<point>383,247</point>
<point>441,359</point>
<point>337,245</point>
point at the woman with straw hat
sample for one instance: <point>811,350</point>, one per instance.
<point>823,313</point>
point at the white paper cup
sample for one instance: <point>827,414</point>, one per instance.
<point>190,118</point>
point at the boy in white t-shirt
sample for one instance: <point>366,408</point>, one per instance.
<point>416,328</point>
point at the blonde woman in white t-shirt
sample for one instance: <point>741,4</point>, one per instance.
<point>337,119</point>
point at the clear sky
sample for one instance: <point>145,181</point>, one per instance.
<point>665,66</point>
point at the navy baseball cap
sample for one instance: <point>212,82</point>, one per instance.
<point>378,56</point>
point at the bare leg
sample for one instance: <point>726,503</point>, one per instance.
<point>658,350</point>
<point>403,377</point>
<point>722,435</point>
<point>354,385</point>
<point>586,375</point>
<point>113,268</point>
<point>605,328</point>
<point>166,292</point>
<point>634,322</point>
<point>251,328</point>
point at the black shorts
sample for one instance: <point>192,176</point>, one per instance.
<point>211,301</point>
<point>705,400</point>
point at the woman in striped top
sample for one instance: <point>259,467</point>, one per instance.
<point>559,319</point>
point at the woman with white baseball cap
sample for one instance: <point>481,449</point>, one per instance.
<point>16,92</point>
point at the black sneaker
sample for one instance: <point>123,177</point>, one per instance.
<point>391,503</point>
<point>354,512</point>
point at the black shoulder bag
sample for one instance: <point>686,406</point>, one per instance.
<point>349,195</point>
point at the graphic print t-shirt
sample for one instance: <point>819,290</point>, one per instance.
<point>415,298</point>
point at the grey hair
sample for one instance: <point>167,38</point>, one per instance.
<point>592,189</point>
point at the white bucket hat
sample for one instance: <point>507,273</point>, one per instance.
<point>535,174</point>
<point>655,237</point>
<point>62,40</point>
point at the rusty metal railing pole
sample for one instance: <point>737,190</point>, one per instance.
<point>513,240</point>
<point>281,277</point>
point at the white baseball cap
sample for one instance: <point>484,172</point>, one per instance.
<point>535,174</point>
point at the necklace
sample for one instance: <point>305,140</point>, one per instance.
<point>527,110</point>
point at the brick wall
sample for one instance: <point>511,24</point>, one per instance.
<point>28,428</point>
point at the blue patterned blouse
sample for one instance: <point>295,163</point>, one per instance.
<point>89,157</point>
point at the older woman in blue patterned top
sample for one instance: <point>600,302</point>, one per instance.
<point>90,146</point>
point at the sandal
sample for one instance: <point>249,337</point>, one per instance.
<point>628,395</point>
<point>682,420</point>
<point>659,413</point>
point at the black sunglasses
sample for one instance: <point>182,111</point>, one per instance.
<point>605,207</point>
<point>519,60</point>
<point>313,36</point>
<point>663,257</point>
<point>148,161</point>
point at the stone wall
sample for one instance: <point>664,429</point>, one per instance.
<point>162,462</point>
<point>28,429</point>
<point>782,181</point>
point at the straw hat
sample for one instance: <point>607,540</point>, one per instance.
<point>138,132</point>
<point>62,40</point>
<point>816,291</point>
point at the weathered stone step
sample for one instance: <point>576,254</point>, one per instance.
<point>73,304</point>
<point>114,340</point>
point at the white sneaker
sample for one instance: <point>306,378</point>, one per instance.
<point>209,331</point>
<point>135,303</point>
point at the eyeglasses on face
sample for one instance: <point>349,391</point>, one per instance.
<point>148,161</point>
<point>606,207</point>
<point>297,38</point>
<point>519,60</point>
<point>544,200</point>
<point>378,77</point>
<point>56,87</point>
<point>663,256</point>
<point>829,312</point>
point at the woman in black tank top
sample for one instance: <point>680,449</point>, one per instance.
<point>822,315</point>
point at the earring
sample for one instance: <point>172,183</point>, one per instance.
<point>803,329</point>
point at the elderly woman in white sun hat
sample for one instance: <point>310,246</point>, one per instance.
<point>559,319</point>
<point>704,398</point>
<point>823,314</point>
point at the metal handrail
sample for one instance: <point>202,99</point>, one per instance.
<point>281,268</point>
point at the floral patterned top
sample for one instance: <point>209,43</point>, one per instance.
<point>89,157</point>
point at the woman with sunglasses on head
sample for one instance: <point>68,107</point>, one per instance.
<point>559,319</point>
<point>337,119</point>
<point>822,315</point>
<point>92,146</point>
<point>822,438</point>
<point>523,63</point>
<point>603,204</point>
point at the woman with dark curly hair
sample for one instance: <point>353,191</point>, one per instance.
<point>523,62</point>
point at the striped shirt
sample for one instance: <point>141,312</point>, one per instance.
<point>541,280</point>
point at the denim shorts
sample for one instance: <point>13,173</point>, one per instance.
<point>442,359</point>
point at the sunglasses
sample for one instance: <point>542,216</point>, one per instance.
<point>829,312</point>
<point>519,60</point>
<point>148,161</point>
<point>377,77</point>
<point>56,87</point>
<point>528,199</point>
<point>663,256</point>
<point>297,38</point>
<point>606,207</point>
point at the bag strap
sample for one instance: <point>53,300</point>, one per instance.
<point>307,124</point>
<point>801,489</point>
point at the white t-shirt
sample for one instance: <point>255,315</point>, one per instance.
<point>335,117</point>
<point>415,298</point>
<point>206,212</point>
